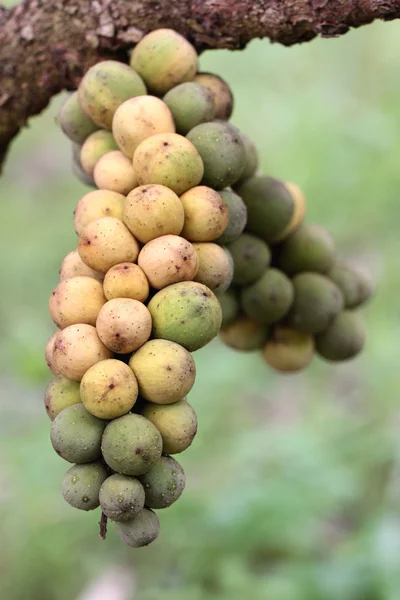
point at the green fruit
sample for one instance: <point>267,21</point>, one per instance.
<point>190,104</point>
<point>237,215</point>
<point>310,248</point>
<point>81,485</point>
<point>131,445</point>
<point>251,163</point>
<point>251,256</point>
<point>164,483</point>
<point>61,393</point>
<point>230,306</point>
<point>269,298</point>
<point>121,497</point>
<point>94,147</point>
<point>76,435</point>
<point>288,350</point>
<point>104,87</point>
<point>356,287</point>
<point>77,169</point>
<point>220,91</point>
<point>343,339</point>
<point>176,422</point>
<point>73,121</point>
<point>244,334</point>
<point>317,301</point>
<point>139,531</point>
<point>222,150</point>
<point>187,313</point>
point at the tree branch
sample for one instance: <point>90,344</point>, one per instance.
<point>47,45</point>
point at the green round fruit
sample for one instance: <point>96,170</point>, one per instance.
<point>244,334</point>
<point>230,306</point>
<point>310,248</point>
<point>81,485</point>
<point>177,424</point>
<point>187,313</point>
<point>73,121</point>
<point>76,435</point>
<point>164,483</point>
<point>121,497</point>
<point>237,217</point>
<point>190,104</point>
<point>343,339</point>
<point>251,256</point>
<point>287,350</point>
<point>355,286</point>
<point>317,301</point>
<point>251,163</point>
<point>94,147</point>
<point>220,91</point>
<point>139,531</point>
<point>222,151</point>
<point>268,299</point>
<point>61,393</point>
<point>131,445</point>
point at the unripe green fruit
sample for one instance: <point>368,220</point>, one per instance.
<point>139,531</point>
<point>251,162</point>
<point>288,350</point>
<point>73,121</point>
<point>244,334</point>
<point>251,256</point>
<point>237,217</point>
<point>230,306</point>
<point>215,267</point>
<point>113,171</point>
<point>164,483</point>
<point>121,497</point>
<point>177,424</point>
<point>222,151</point>
<point>131,445</point>
<point>124,325</point>
<point>168,259</point>
<point>76,300</point>
<point>268,299</point>
<point>220,90</point>
<point>317,301</point>
<point>187,313</point>
<point>190,104</point>
<point>61,393</point>
<point>164,59</point>
<point>95,146</point>
<point>76,435</point>
<point>81,485</point>
<point>309,248</point>
<point>355,286</point>
<point>105,86</point>
<point>165,371</point>
<point>343,339</point>
<point>206,214</point>
<point>95,205</point>
<point>73,266</point>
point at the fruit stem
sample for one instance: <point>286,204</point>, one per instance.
<point>103,526</point>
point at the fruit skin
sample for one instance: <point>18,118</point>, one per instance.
<point>223,97</point>
<point>165,371</point>
<point>190,104</point>
<point>139,118</point>
<point>151,211</point>
<point>251,256</point>
<point>230,306</point>
<point>287,350</point>
<point>126,280</point>
<point>164,483</point>
<point>251,162</point>
<point>73,266</point>
<point>77,169</point>
<point>164,59</point>
<point>113,171</point>
<point>124,325</point>
<point>104,87</point>
<point>215,267</point>
<point>168,159</point>
<point>94,147</point>
<point>140,531</point>
<point>343,339</point>
<point>105,243</point>
<point>121,497</point>
<point>244,334</point>
<point>187,313</point>
<point>60,393</point>
<point>131,445</point>
<point>73,121</point>
<point>299,213</point>
<point>237,217</point>
<point>76,349</point>
<point>168,259</point>
<point>81,485</point>
<point>222,151</point>
<point>76,435</point>
<point>317,301</point>
<point>95,205</point>
<point>268,299</point>
<point>355,286</point>
<point>309,248</point>
<point>109,389</point>
<point>206,214</point>
<point>177,424</point>
<point>50,354</point>
<point>76,300</point>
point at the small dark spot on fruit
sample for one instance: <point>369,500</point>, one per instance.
<point>205,294</point>
<point>165,144</point>
<point>111,386</point>
<point>117,335</point>
<point>126,267</point>
<point>138,450</point>
<point>185,258</point>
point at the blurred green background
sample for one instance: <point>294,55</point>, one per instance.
<point>293,482</point>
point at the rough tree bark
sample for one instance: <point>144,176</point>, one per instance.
<point>48,44</point>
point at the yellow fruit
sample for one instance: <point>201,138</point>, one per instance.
<point>95,205</point>
<point>206,214</point>
<point>167,260</point>
<point>73,266</point>
<point>76,300</point>
<point>126,280</point>
<point>124,325</point>
<point>114,172</point>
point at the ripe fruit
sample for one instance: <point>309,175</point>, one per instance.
<point>121,497</point>
<point>95,146</point>
<point>81,485</point>
<point>76,300</point>
<point>237,217</point>
<point>177,424</point>
<point>343,339</point>
<point>95,205</point>
<point>288,350</point>
<point>124,325</point>
<point>126,280</point>
<point>190,104</point>
<point>165,371</point>
<point>215,267</point>
<point>113,171</point>
<point>164,483</point>
<point>139,531</point>
<point>49,354</point>
<point>206,214</point>
<point>60,393</point>
<point>244,334</point>
<point>73,121</point>
<point>251,256</point>
<point>168,259</point>
<point>268,299</point>
<point>222,95</point>
<point>131,445</point>
<point>109,389</point>
<point>73,266</point>
<point>355,286</point>
<point>309,248</point>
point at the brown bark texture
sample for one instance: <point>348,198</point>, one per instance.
<point>47,45</point>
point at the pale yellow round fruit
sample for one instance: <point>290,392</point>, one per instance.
<point>126,280</point>
<point>93,148</point>
<point>95,205</point>
<point>176,422</point>
<point>215,266</point>
<point>288,350</point>
<point>76,300</point>
<point>114,172</point>
<point>73,266</point>
<point>50,354</point>
<point>206,214</point>
<point>167,260</point>
<point>124,325</point>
